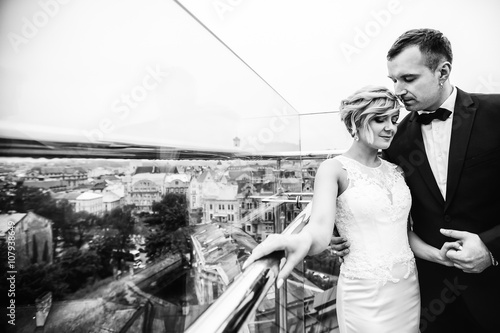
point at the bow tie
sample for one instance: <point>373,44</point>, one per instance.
<point>440,114</point>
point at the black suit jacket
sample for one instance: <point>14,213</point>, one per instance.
<point>472,202</point>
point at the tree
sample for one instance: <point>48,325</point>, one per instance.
<point>169,242</point>
<point>172,212</point>
<point>62,218</point>
<point>122,221</point>
<point>82,222</point>
<point>118,226</point>
<point>31,282</point>
<point>82,268</point>
<point>76,270</point>
<point>153,220</point>
<point>104,248</point>
<point>35,199</point>
<point>158,244</point>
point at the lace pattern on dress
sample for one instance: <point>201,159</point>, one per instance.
<point>372,214</point>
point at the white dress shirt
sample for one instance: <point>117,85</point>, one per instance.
<point>437,137</point>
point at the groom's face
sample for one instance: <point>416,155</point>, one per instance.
<point>415,84</point>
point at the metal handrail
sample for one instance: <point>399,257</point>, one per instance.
<point>231,311</point>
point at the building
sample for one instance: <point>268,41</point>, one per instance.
<point>55,185</point>
<point>203,184</point>
<point>33,237</point>
<point>90,202</point>
<point>194,194</point>
<point>117,188</point>
<point>291,184</point>
<point>309,170</point>
<point>146,188</point>
<point>69,196</point>
<point>201,187</point>
<point>216,262</point>
<point>163,169</point>
<point>257,217</point>
<point>70,177</point>
<point>222,205</point>
<point>111,201</point>
<point>177,183</point>
<point>252,174</point>
<point>98,187</point>
<point>99,171</point>
<point>217,200</point>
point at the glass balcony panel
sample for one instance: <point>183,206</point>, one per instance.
<point>124,78</point>
<point>323,132</point>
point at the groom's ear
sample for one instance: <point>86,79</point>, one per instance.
<point>444,70</point>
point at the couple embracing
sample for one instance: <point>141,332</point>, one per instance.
<point>419,228</point>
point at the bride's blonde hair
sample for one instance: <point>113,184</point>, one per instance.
<point>357,110</point>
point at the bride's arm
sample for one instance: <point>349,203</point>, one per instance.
<point>425,251</point>
<point>322,221</point>
<point>315,236</point>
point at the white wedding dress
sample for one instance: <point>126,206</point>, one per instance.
<point>378,287</point>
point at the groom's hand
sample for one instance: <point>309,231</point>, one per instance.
<point>339,246</point>
<point>474,256</point>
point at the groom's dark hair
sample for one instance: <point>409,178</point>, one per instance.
<point>432,43</point>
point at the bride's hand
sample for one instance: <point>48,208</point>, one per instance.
<point>295,246</point>
<point>449,246</point>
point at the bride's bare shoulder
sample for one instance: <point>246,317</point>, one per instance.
<point>331,166</point>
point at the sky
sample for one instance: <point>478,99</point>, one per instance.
<point>199,73</point>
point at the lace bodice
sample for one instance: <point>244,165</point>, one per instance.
<point>372,214</point>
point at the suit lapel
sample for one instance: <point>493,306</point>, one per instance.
<point>422,165</point>
<point>463,118</point>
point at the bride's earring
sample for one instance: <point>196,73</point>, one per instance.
<point>354,133</point>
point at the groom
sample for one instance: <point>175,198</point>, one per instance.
<point>449,148</point>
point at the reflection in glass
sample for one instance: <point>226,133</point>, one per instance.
<point>138,245</point>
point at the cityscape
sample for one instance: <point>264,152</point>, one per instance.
<point>149,243</point>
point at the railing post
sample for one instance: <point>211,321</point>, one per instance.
<point>281,304</point>
<point>280,296</point>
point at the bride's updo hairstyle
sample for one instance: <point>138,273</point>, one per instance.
<point>357,110</point>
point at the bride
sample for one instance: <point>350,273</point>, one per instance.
<point>378,287</point>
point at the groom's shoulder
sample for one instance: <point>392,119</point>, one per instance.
<point>480,100</point>
<point>480,95</point>
<point>485,105</point>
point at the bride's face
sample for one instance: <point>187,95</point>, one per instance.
<point>380,130</point>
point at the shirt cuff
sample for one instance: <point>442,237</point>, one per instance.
<point>494,262</point>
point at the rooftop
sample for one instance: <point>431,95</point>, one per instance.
<point>110,197</point>
<point>8,220</point>
<point>158,178</point>
<point>89,196</point>
<point>178,176</point>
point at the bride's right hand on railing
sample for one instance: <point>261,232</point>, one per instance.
<point>295,246</point>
